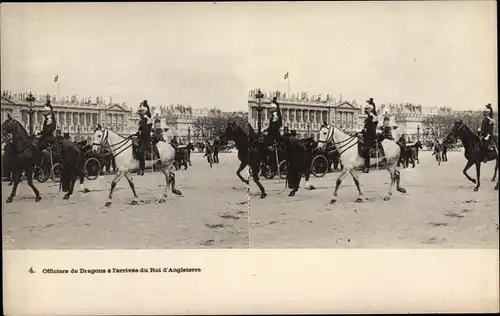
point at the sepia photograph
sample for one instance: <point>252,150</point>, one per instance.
<point>112,129</point>
<point>378,126</point>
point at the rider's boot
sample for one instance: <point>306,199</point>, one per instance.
<point>367,161</point>
<point>142,165</point>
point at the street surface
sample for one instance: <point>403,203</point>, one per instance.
<point>211,213</point>
<point>440,210</point>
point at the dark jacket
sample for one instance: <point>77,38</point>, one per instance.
<point>487,125</point>
<point>49,125</point>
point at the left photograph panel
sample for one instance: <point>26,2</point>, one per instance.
<point>117,132</point>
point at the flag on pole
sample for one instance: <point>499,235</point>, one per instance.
<point>56,79</point>
<point>286,76</point>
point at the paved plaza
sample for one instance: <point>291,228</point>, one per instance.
<point>211,213</point>
<point>440,210</point>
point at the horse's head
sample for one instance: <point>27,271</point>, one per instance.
<point>12,129</point>
<point>325,135</point>
<point>99,138</point>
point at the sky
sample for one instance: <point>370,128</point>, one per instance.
<point>212,54</point>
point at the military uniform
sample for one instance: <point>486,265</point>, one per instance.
<point>387,129</point>
<point>275,123</point>
<point>486,130</point>
<point>49,127</point>
<point>369,132</point>
<point>144,133</point>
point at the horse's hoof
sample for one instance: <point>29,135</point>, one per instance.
<point>162,201</point>
<point>387,198</point>
<point>107,203</point>
<point>263,195</point>
<point>312,187</point>
<point>402,190</point>
<point>476,189</point>
<point>134,202</point>
<point>359,200</point>
<point>496,187</point>
<point>38,199</point>
<point>66,197</point>
<point>247,182</point>
<point>85,190</point>
<point>291,194</point>
<point>473,181</point>
<point>9,200</point>
<point>333,201</point>
<point>493,179</point>
<point>176,192</point>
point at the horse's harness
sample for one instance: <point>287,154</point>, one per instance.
<point>121,146</point>
<point>341,146</point>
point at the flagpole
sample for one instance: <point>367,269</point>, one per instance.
<point>288,80</point>
<point>59,100</point>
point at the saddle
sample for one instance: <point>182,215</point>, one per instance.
<point>376,150</point>
<point>151,153</point>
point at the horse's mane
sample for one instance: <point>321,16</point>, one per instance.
<point>18,125</point>
<point>469,132</point>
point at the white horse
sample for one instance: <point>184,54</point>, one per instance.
<point>349,156</point>
<point>121,148</point>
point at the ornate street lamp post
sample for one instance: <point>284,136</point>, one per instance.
<point>189,135</point>
<point>30,100</point>
<point>259,95</point>
<point>418,133</point>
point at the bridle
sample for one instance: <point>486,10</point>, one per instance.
<point>120,146</point>
<point>341,146</point>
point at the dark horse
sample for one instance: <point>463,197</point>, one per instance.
<point>27,155</point>
<point>415,148</point>
<point>23,153</point>
<point>249,152</point>
<point>471,143</point>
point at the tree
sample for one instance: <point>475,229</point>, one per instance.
<point>215,125</point>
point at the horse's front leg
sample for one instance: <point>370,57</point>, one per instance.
<point>337,185</point>
<point>29,178</point>
<point>16,175</point>
<point>238,173</point>
<point>478,173</point>
<point>117,178</point>
<point>467,167</point>
<point>255,176</point>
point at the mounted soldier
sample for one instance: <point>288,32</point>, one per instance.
<point>369,132</point>
<point>387,128</point>
<point>144,134</point>
<point>486,131</point>
<point>49,126</point>
<point>275,123</point>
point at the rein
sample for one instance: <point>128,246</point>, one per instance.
<point>346,142</point>
<point>120,144</point>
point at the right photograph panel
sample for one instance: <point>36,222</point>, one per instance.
<point>376,134</point>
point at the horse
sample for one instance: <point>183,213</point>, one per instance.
<point>123,152</point>
<point>350,158</point>
<point>472,143</point>
<point>23,152</point>
<point>249,152</point>
<point>415,148</point>
<point>27,156</point>
<point>406,156</point>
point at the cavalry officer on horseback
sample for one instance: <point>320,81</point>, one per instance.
<point>369,132</point>
<point>486,130</point>
<point>386,128</point>
<point>144,134</point>
<point>49,126</point>
<point>275,123</point>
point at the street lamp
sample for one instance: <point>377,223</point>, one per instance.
<point>30,100</point>
<point>259,95</point>
<point>308,129</point>
<point>418,132</point>
<point>189,135</point>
